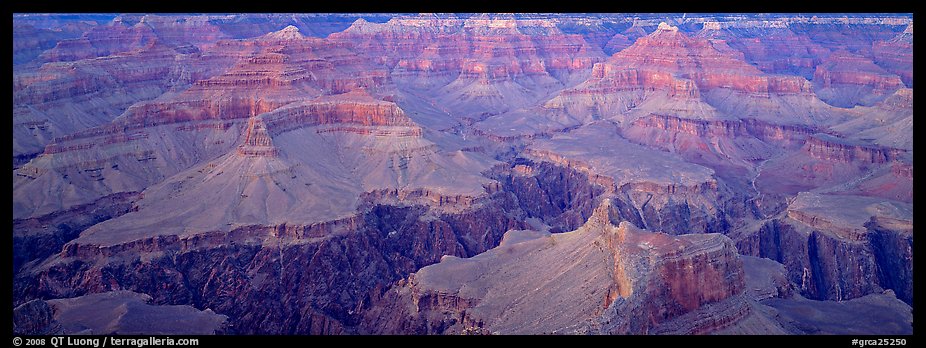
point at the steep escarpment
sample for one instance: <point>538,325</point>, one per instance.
<point>731,147</point>
<point>651,189</point>
<point>223,271</point>
<point>281,68</point>
<point>845,80</point>
<point>182,129</point>
<point>839,165</point>
<point>59,99</point>
<point>835,251</point>
<point>453,173</point>
<point>40,237</point>
<point>357,256</point>
<point>475,67</point>
<point>89,81</point>
<point>834,149</point>
<point>560,196</point>
<point>770,45</point>
<point>649,278</point>
<point>675,74</point>
<point>883,123</point>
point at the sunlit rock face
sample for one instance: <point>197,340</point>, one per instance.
<point>462,173</point>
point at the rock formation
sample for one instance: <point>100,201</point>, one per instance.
<point>632,281</point>
<point>844,79</point>
<point>456,173</point>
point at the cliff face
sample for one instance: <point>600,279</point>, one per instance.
<point>838,255</point>
<point>116,37</point>
<point>64,98</point>
<point>440,174</point>
<point>281,68</point>
<point>840,165</point>
<point>673,73</point>
<point>224,271</point>
<point>485,48</point>
<point>671,51</point>
<point>477,66</point>
<point>773,49</point>
<point>832,149</point>
<point>126,33</point>
<point>845,80</point>
<point>661,192</point>
<point>221,270</point>
<point>633,281</point>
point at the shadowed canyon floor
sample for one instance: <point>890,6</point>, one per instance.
<point>462,174</point>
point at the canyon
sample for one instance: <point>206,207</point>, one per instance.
<point>289,174</point>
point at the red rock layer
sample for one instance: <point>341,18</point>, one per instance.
<point>684,275</point>
<point>832,149</point>
<point>717,142</point>
<point>257,141</point>
<point>101,41</point>
<point>776,50</point>
<point>843,68</point>
<point>477,48</point>
<point>284,69</point>
<point>659,59</point>
<point>121,36</point>
<point>337,113</point>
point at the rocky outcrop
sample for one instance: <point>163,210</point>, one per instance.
<point>853,35</point>
<point>560,196</point>
<point>834,255</point>
<point>101,41</point>
<point>633,282</point>
<point>661,192</point>
<point>669,290</point>
<point>267,77</point>
<point>226,270</point>
<point>354,108</point>
<point>257,140</point>
<point>59,99</point>
<point>125,34</point>
<point>474,67</point>
<point>292,182</point>
<point>838,165</point>
<point>78,88</point>
<point>672,73</point>
<point>427,45</point>
<point>670,51</point>
<point>244,26</point>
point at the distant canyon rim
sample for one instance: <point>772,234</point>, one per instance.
<point>462,173</point>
